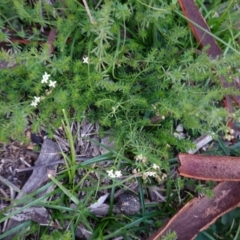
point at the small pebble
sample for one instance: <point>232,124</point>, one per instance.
<point>128,203</point>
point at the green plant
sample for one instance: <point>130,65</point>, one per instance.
<point>126,64</point>
<point>225,227</point>
<point>169,236</point>
<point>128,75</point>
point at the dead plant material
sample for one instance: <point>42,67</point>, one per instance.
<point>36,214</point>
<point>51,38</point>
<point>199,27</point>
<point>200,213</point>
<point>213,168</point>
<point>49,153</point>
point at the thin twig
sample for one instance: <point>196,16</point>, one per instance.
<point>88,12</point>
<point>9,184</point>
<point>200,142</point>
<point>80,159</point>
<point>24,162</point>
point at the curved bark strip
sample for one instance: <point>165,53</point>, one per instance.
<point>213,168</point>
<point>198,214</point>
<point>191,11</point>
<point>197,24</point>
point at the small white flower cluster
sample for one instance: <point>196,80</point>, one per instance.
<point>157,174</point>
<point>35,102</point>
<point>45,79</point>
<point>229,136</point>
<point>111,174</point>
<point>148,174</point>
<point>141,158</point>
<point>155,166</point>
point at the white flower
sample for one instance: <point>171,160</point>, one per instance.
<point>150,174</point>
<point>118,173</point>
<point>139,157</point>
<point>142,158</point>
<point>37,99</point>
<point>231,131</point>
<point>33,103</point>
<point>52,84</point>
<point>45,78</point>
<point>85,60</point>
<point>134,171</point>
<point>111,174</point>
<point>228,137</point>
<point>155,166</point>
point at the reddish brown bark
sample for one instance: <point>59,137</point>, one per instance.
<point>202,33</point>
<point>214,168</point>
<point>200,28</point>
<point>200,213</point>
